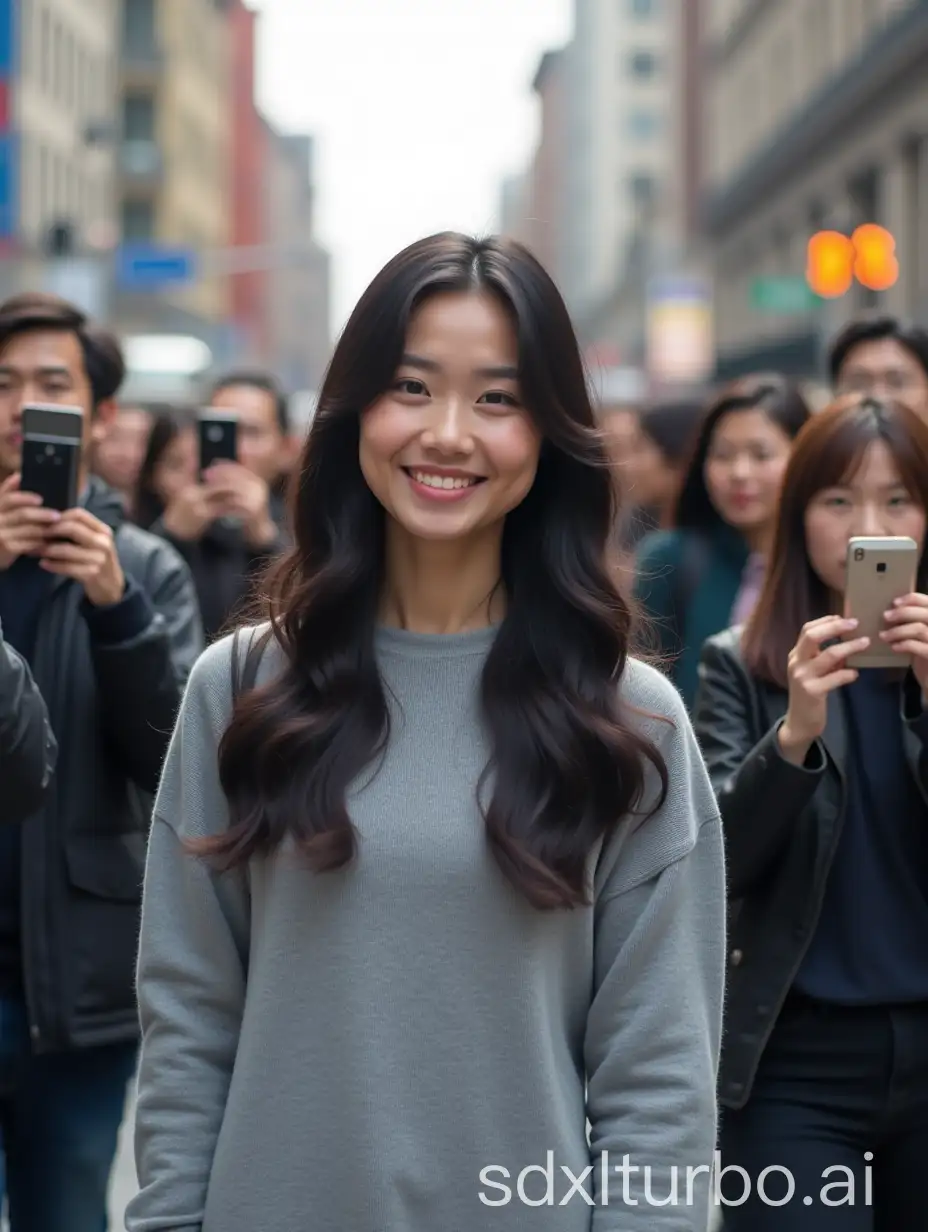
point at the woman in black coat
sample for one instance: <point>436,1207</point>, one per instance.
<point>822,778</point>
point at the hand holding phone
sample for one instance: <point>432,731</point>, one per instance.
<point>24,522</point>
<point>907,635</point>
<point>818,664</point>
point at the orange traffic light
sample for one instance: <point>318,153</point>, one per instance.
<point>830,264</point>
<point>875,264</point>
<point>833,261</point>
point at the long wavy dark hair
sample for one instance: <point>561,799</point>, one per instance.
<point>567,763</point>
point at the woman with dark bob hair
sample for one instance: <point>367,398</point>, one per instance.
<point>702,573</point>
<point>435,875</point>
<point>821,772</point>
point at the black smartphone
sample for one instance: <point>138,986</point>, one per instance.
<point>51,454</point>
<point>218,433</point>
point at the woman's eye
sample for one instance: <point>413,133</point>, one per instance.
<point>897,502</point>
<point>409,385</point>
<point>498,398</point>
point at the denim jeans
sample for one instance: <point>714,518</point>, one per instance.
<point>59,1123</point>
<point>838,1088</point>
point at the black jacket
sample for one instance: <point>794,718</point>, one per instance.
<point>28,751</point>
<point>112,706</point>
<point>782,825</point>
<point>225,569</point>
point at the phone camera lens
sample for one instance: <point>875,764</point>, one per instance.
<point>859,554</point>
<point>881,567</point>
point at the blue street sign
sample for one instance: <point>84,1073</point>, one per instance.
<point>9,39</point>
<point>9,186</point>
<point>148,267</point>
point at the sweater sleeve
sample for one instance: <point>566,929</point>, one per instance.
<point>191,971</point>
<point>654,1027</point>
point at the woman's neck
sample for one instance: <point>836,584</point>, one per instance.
<point>759,540</point>
<point>435,586</point>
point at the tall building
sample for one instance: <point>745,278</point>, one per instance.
<point>175,158</point>
<point>619,142</point>
<point>816,117</point>
<point>58,114</point>
<point>249,175</point>
<point>547,225</point>
<point>298,285</point>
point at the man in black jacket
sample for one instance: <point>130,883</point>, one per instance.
<point>27,746</point>
<point>106,617</point>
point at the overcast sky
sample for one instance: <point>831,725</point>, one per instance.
<point>420,107</point>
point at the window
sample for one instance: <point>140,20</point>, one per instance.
<point>138,118</point>
<point>643,64</point>
<point>139,27</point>
<point>138,221</point>
<point>643,8</point>
<point>644,124</point>
<point>643,189</point>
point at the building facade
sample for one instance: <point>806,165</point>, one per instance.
<point>547,226</point>
<point>619,142</point>
<point>816,117</point>
<point>175,175</point>
<point>59,116</point>
<point>249,175</point>
<point>298,280</point>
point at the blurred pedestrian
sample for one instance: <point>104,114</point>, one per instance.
<point>822,776</point>
<point>691,578</point>
<point>430,802</point>
<point>105,615</point>
<point>882,357</point>
<point>229,522</point>
<point>27,746</point>
<point>657,457</point>
<point>118,453</point>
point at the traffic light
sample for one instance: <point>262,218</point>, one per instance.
<point>834,261</point>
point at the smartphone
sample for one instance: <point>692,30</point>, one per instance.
<point>218,433</point>
<point>879,570</point>
<point>51,455</point>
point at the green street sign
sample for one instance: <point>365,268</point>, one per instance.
<point>783,296</point>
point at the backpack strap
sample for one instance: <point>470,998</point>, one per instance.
<point>245,667</point>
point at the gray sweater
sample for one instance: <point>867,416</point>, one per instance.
<point>385,1049</point>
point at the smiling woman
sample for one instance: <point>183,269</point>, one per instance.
<point>449,840</point>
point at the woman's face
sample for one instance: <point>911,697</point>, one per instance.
<point>449,449</point>
<point>176,469</point>
<point>655,477</point>
<point>744,468</point>
<point>873,501</point>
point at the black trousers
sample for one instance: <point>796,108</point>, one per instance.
<point>838,1114</point>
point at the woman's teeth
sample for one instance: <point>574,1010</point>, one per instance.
<point>441,481</point>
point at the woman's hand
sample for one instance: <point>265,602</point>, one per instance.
<point>813,673</point>
<point>908,634</point>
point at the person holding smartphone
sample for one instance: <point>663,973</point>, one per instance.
<point>106,618</point>
<point>821,772</point>
<point>225,519</point>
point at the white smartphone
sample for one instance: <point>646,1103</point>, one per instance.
<point>879,570</point>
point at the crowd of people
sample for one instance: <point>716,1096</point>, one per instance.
<point>471,815</point>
